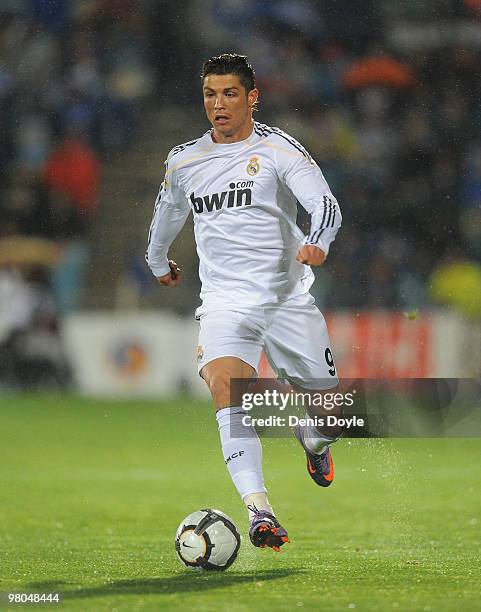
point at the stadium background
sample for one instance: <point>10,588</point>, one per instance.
<point>93,94</point>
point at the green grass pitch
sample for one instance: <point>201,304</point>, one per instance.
<point>91,493</point>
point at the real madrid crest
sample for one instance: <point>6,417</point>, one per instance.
<point>253,166</point>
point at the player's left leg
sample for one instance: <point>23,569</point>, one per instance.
<point>316,444</point>
<point>298,344</point>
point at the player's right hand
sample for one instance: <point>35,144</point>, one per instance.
<point>172,278</point>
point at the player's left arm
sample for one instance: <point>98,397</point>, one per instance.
<point>304,178</point>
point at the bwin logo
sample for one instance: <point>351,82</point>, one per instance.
<point>234,456</point>
<point>239,194</point>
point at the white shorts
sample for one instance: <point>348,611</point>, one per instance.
<point>293,335</point>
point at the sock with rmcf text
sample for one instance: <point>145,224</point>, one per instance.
<point>242,452</point>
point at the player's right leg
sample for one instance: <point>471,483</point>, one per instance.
<point>230,346</point>
<point>242,449</point>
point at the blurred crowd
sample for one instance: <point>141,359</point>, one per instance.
<point>390,111</point>
<point>73,76</point>
<point>396,131</point>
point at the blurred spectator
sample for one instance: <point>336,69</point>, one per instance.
<point>68,225</point>
<point>31,353</point>
<point>456,282</point>
<point>22,211</point>
<point>72,176</point>
<point>471,213</point>
<point>381,70</point>
<point>74,170</point>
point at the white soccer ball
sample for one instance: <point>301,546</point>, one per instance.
<point>207,539</point>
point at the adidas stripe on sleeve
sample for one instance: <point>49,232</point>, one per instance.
<point>304,178</point>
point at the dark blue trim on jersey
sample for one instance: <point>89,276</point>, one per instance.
<point>265,130</point>
<point>258,131</point>
<point>324,214</point>
<point>181,147</point>
<point>328,222</point>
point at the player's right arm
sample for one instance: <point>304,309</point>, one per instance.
<point>170,212</point>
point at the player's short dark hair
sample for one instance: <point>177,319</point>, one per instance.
<point>231,63</point>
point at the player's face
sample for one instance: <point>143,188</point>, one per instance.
<point>228,107</point>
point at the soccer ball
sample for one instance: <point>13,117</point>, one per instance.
<point>207,539</point>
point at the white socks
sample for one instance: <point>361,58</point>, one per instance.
<point>257,501</point>
<point>242,452</point>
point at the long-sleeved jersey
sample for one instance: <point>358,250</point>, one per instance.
<point>243,199</point>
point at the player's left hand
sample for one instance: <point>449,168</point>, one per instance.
<point>311,255</point>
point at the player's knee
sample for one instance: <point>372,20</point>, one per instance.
<point>219,386</point>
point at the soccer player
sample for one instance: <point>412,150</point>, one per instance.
<point>241,180</point>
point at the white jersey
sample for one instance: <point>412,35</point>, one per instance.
<point>243,199</point>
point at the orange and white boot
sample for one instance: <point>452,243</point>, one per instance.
<point>320,466</point>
